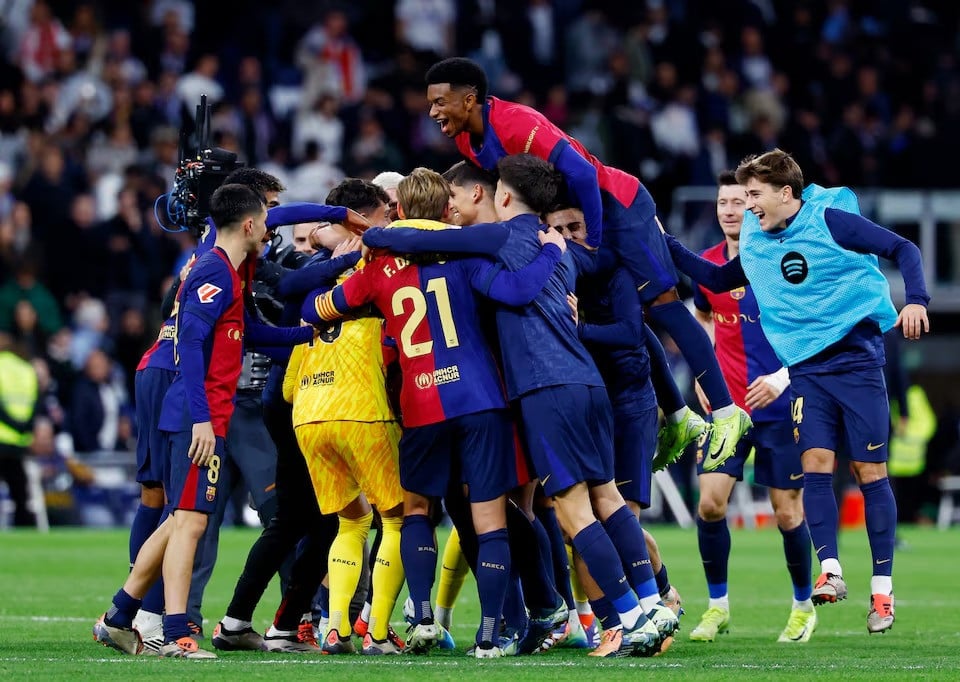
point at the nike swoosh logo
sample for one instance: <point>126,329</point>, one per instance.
<point>820,549</point>
<point>883,561</point>
<point>700,376</point>
<point>543,481</point>
<point>642,286</point>
<point>796,477</point>
<point>802,633</point>
<point>872,447</point>
<point>619,483</point>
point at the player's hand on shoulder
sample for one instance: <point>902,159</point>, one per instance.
<point>913,320</point>
<point>550,236</point>
<point>573,302</point>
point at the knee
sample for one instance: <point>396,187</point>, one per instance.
<point>790,517</point>
<point>190,523</point>
<point>151,495</point>
<point>712,509</point>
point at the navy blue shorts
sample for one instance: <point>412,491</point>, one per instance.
<point>776,460</point>
<point>150,386</point>
<point>568,434</point>
<point>847,412</point>
<point>251,449</point>
<point>634,445</point>
<point>476,448</point>
<point>191,487</point>
<point>633,234</point>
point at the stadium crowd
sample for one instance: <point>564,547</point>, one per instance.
<point>92,97</point>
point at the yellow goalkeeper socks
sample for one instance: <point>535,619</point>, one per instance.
<point>344,566</point>
<point>387,577</point>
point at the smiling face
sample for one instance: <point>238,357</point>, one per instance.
<point>772,205</point>
<point>731,203</point>
<point>451,107</point>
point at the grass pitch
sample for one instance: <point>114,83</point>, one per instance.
<point>54,586</point>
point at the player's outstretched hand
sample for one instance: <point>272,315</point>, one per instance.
<point>203,444</point>
<point>913,320</point>
<point>552,237</point>
<point>355,222</point>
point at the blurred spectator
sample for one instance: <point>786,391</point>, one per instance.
<point>319,123</point>
<point>96,406</point>
<point>18,406</point>
<point>331,60</point>
<point>42,43</point>
<point>201,80</point>
<point>24,286</point>
<point>61,475</point>
<point>312,179</point>
<point>90,326</point>
<point>427,25</point>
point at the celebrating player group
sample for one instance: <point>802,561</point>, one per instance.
<point>473,340</point>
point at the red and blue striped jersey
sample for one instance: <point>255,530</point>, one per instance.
<point>447,366</point>
<point>742,349</point>
<point>209,346</point>
<point>511,128</point>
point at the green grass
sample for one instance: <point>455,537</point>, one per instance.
<point>55,585</point>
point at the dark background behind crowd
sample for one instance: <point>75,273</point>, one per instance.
<point>92,94</point>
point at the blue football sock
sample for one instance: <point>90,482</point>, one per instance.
<point>530,548</point>
<point>627,536</point>
<point>697,350</point>
<point>823,517</point>
<point>124,608</point>
<point>514,612</point>
<point>714,540</point>
<point>145,521</point>
<point>558,551</point>
<point>796,549</point>
<point>175,626</point>
<point>321,602</point>
<point>605,613</point>
<point>880,510</point>
<point>605,567</point>
<point>665,386</point>
<point>418,550</point>
<point>663,580</point>
<point>493,575</point>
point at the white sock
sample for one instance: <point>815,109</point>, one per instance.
<point>724,412</point>
<point>573,622</point>
<point>881,584</point>
<point>678,416</point>
<point>444,616</point>
<point>831,566</point>
<point>145,621</point>
<point>631,617</point>
<point>273,632</point>
<point>365,612</point>
<point>584,608</point>
<point>805,605</point>
<point>234,624</point>
<point>648,603</point>
<point>720,603</point>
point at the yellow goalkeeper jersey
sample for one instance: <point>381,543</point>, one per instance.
<point>340,375</point>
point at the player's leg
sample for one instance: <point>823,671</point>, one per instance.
<point>584,610</point>
<point>866,420</point>
<point>635,428</point>
<point>713,537</point>
<point>682,426</point>
<point>777,467</point>
<point>197,491</point>
<point>426,453</point>
<point>453,572</point>
<point>817,423</point>
<point>568,433</point>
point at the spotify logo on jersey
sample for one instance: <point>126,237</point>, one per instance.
<point>794,267</point>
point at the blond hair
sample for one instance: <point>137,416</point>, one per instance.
<point>775,167</point>
<point>423,194</point>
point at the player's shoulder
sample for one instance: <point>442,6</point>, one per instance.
<point>504,114</point>
<point>715,253</point>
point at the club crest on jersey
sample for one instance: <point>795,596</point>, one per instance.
<point>211,493</point>
<point>738,293</point>
<point>234,334</point>
<point>207,292</point>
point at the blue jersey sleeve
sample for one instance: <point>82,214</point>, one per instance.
<point>315,274</point>
<point>480,240</point>
<point>513,288</point>
<point>856,233</point>
<point>258,335</point>
<point>304,212</point>
<point>581,177</point>
<point>716,278</point>
<point>628,329</point>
